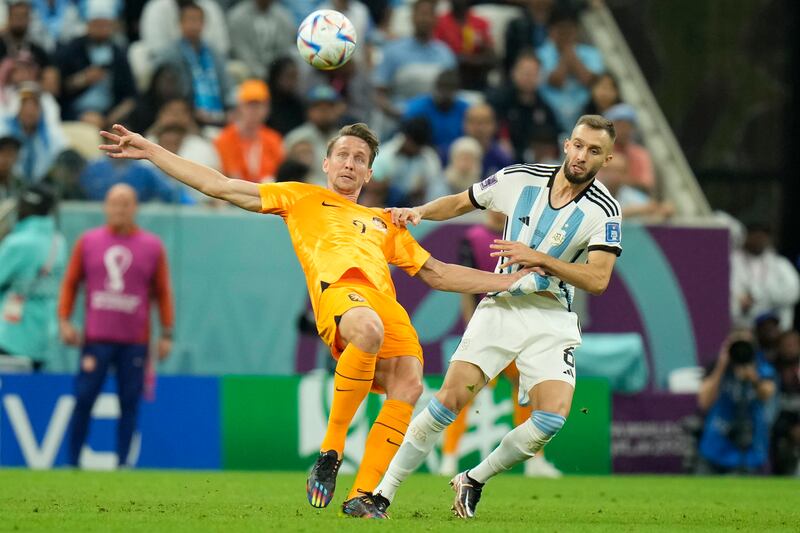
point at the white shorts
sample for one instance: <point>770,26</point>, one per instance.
<point>535,331</point>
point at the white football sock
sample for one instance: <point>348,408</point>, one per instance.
<point>519,444</point>
<point>422,435</point>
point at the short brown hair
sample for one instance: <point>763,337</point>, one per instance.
<point>597,122</point>
<point>361,131</point>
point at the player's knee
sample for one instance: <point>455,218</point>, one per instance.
<point>547,422</point>
<point>369,335</point>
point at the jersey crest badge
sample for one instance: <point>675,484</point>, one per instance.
<point>613,233</point>
<point>557,238</point>
<point>379,224</point>
<point>356,297</point>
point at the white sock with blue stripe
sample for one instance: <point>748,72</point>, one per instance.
<point>423,433</point>
<point>519,444</point>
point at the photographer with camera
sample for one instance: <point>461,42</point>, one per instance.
<point>733,396</point>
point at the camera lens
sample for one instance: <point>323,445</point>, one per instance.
<point>742,353</point>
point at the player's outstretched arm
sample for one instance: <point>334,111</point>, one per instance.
<point>593,277</point>
<point>125,144</point>
<point>443,208</point>
<point>456,278</point>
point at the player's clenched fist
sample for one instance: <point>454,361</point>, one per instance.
<point>402,216</point>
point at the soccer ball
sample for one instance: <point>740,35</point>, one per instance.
<point>326,39</point>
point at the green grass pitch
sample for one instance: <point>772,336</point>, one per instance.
<point>174,501</point>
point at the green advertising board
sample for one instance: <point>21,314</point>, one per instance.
<point>278,422</point>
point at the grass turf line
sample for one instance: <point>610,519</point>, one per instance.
<point>175,501</point>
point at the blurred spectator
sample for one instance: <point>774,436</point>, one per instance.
<point>16,38</point>
<point>519,105</point>
<point>177,138</point>
<point>358,14</point>
<point>288,110</point>
<point>160,25</point>
<point>302,151</point>
<point>639,171</point>
<point>165,85</point>
<point>32,260</point>
<point>465,164</point>
<point>481,125</point>
<point>410,65</point>
<point>543,147</point>
<point>41,142</point>
<point>300,9</point>
<point>767,333</point>
<point>202,70</point>
<point>786,430</point>
<point>408,168</point>
<point>98,83</point>
<point>443,109</point>
<point>568,68</point>
<point>101,175</point>
<point>18,70</point>
<point>353,84</point>
<point>468,36</point>
<point>123,270</point>
<point>174,111</point>
<point>603,95</point>
<point>131,15</point>
<point>634,202</point>
<point>261,32</point>
<point>322,119</point>
<point>9,180</point>
<point>292,170</point>
<point>55,22</point>
<point>762,281</point>
<point>733,394</point>
<point>248,149</point>
<point>528,31</point>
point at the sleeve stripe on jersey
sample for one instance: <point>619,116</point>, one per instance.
<point>592,195</point>
<point>473,200</point>
<point>602,206</point>
<point>608,200</point>
<point>607,196</point>
<point>610,249</point>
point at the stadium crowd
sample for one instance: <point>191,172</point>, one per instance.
<point>221,82</point>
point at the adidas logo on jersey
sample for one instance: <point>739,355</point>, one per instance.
<point>525,220</point>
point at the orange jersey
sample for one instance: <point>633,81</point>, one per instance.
<point>332,235</point>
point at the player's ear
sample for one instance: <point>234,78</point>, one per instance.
<point>369,176</point>
<point>325,165</point>
<point>566,145</point>
<point>609,157</point>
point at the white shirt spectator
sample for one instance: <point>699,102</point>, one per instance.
<point>160,25</point>
<point>770,280</point>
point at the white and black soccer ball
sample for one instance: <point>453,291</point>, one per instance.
<point>326,39</point>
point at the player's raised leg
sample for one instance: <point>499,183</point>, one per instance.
<point>361,331</point>
<point>401,378</point>
<point>462,382</point>
<point>551,402</point>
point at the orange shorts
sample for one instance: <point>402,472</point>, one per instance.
<point>399,336</point>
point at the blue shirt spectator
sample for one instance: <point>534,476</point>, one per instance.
<point>100,175</point>
<point>480,124</point>
<point>410,65</point>
<point>568,69</point>
<point>96,73</point>
<point>40,142</point>
<point>443,109</point>
<point>203,76</point>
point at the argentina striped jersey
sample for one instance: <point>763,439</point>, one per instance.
<point>592,221</point>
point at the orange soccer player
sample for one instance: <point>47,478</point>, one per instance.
<point>344,249</point>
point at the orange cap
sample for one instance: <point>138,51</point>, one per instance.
<point>253,91</point>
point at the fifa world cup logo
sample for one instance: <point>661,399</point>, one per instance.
<point>117,260</point>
